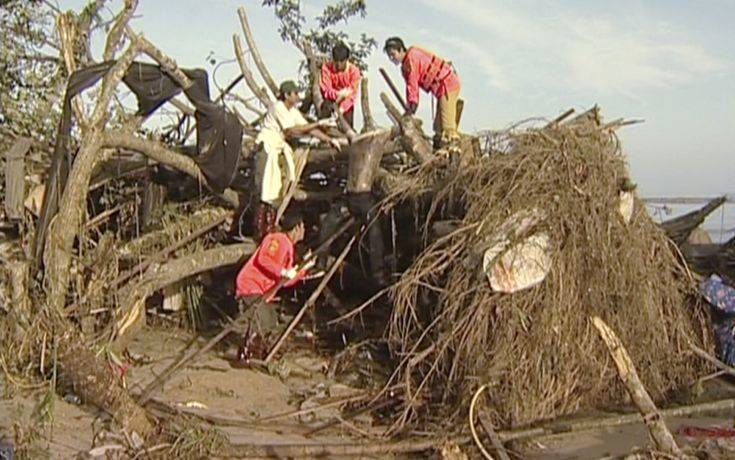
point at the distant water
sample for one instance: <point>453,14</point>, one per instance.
<point>720,224</point>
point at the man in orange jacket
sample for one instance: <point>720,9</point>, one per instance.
<point>423,69</point>
<point>339,84</point>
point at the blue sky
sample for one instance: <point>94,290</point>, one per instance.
<point>671,63</point>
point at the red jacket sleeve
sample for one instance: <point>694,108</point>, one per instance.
<point>411,75</point>
<point>326,84</point>
<point>354,77</point>
<point>273,256</point>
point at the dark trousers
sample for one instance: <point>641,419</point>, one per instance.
<point>360,206</point>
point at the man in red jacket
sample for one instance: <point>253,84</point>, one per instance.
<point>424,69</point>
<point>272,261</point>
<point>339,84</point>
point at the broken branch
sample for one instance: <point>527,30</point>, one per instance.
<point>257,91</point>
<point>255,53</point>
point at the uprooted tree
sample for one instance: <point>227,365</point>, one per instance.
<point>72,259</point>
<point>80,284</point>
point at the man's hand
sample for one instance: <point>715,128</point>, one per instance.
<point>411,109</point>
<point>289,273</point>
<point>343,93</point>
<point>309,264</point>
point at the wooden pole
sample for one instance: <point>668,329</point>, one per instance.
<point>393,88</point>
<point>301,159</point>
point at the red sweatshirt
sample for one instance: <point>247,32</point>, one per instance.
<point>333,80</point>
<point>266,267</point>
<point>424,69</point>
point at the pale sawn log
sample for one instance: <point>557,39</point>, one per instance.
<point>657,428</point>
<point>412,136</point>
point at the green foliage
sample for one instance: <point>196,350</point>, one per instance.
<point>29,69</point>
<point>325,34</point>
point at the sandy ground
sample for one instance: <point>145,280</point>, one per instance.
<point>212,387</point>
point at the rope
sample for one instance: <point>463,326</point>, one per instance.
<point>479,444</point>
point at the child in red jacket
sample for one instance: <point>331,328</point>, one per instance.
<point>272,261</point>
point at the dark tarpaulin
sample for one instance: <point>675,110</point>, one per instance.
<point>219,133</point>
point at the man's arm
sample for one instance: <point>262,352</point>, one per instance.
<point>325,84</point>
<point>411,75</point>
<point>272,257</point>
<point>302,129</point>
<point>322,136</point>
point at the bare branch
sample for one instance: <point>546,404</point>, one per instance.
<point>254,51</point>
<point>167,64</point>
<point>67,38</point>
<point>247,104</point>
<point>159,153</point>
<point>257,91</point>
<point>134,294</point>
<point>316,76</point>
<point>183,106</point>
<point>109,84</point>
<point>412,136</point>
<point>367,115</point>
<point>114,38</point>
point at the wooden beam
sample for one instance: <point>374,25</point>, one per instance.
<point>15,178</point>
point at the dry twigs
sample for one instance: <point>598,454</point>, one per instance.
<point>537,345</point>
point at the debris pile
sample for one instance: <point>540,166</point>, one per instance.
<point>555,193</point>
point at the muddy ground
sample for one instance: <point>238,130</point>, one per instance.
<point>239,399</point>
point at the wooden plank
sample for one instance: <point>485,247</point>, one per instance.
<point>15,172</point>
<point>686,200</point>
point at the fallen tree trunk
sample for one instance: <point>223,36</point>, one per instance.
<point>133,296</point>
<point>159,153</point>
<point>94,382</point>
<point>64,226</point>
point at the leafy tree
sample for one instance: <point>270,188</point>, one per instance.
<point>29,69</point>
<point>325,32</point>
<point>32,76</point>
